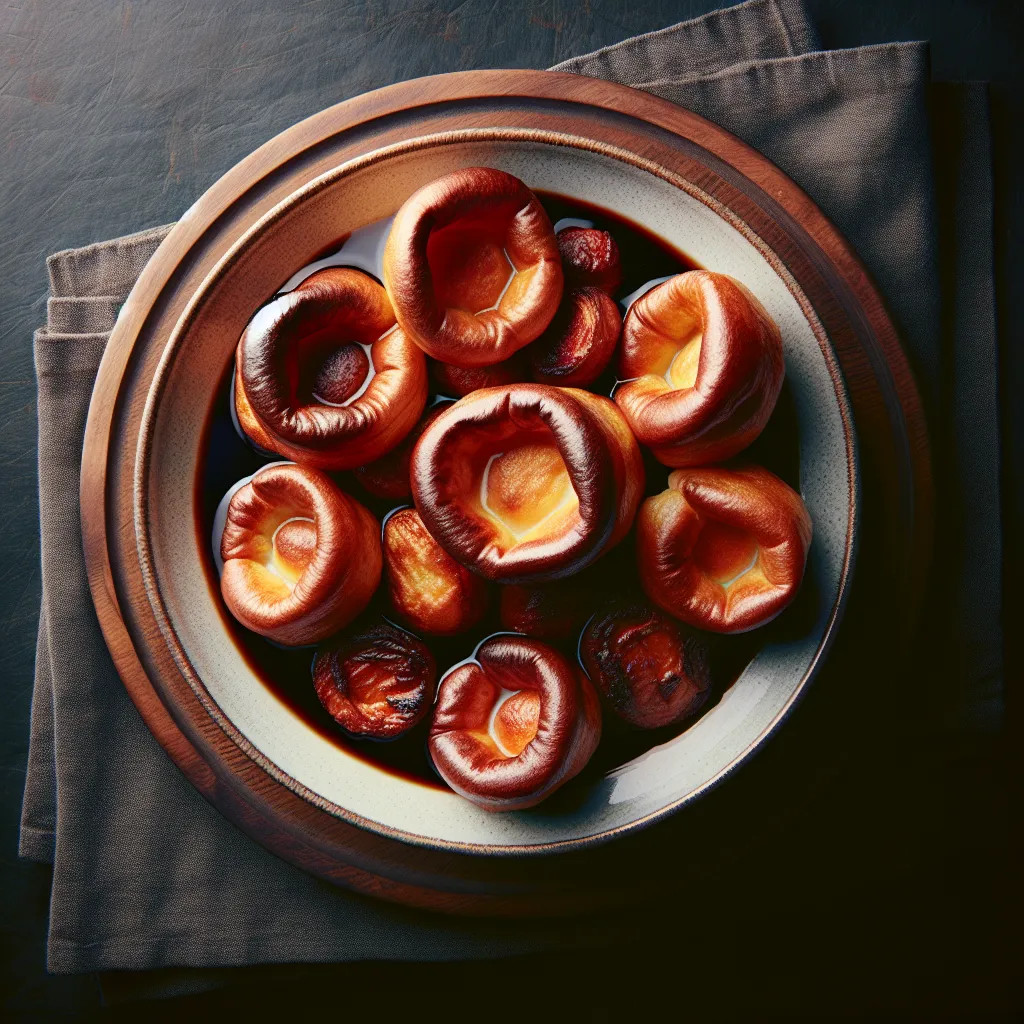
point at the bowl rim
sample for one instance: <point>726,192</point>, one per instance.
<point>223,267</point>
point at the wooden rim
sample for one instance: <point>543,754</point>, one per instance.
<point>885,402</point>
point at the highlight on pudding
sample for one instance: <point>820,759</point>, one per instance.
<point>507,470</point>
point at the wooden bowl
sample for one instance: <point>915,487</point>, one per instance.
<point>150,566</point>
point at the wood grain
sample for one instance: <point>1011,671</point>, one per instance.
<point>895,509</point>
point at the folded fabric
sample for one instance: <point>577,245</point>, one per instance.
<point>146,873</point>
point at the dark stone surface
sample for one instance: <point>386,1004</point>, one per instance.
<point>117,116</point>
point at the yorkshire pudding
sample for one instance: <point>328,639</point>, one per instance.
<point>376,683</point>
<point>472,267</point>
<point>301,558</point>
<point>590,257</point>
<point>324,377</point>
<point>652,670</point>
<point>723,549</point>
<point>513,724</point>
<point>702,364</point>
<point>527,482</point>
<point>579,342</point>
<point>429,590</point>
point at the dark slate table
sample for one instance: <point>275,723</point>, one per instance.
<point>116,116</point>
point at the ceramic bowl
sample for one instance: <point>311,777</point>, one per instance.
<point>175,551</point>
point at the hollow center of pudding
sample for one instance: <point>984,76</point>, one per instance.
<point>726,554</point>
<point>292,548</point>
<point>682,371</point>
<point>336,374</point>
<point>469,265</point>
<point>671,338</point>
<point>526,487</point>
<point>514,721</point>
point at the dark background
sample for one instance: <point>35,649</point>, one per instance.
<point>116,116</point>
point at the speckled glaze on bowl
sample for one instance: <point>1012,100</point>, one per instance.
<point>169,455</point>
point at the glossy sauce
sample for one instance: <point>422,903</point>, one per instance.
<point>287,673</point>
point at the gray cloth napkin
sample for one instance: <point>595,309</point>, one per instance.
<point>146,873</point>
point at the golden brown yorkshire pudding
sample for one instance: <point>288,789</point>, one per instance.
<point>513,724</point>
<point>429,590</point>
<point>723,549</point>
<point>324,377</point>
<point>652,670</point>
<point>472,267</point>
<point>301,558</point>
<point>579,342</point>
<point>527,482</point>
<point>702,365</point>
<point>376,683</point>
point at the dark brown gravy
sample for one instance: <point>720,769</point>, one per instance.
<point>287,673</point>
